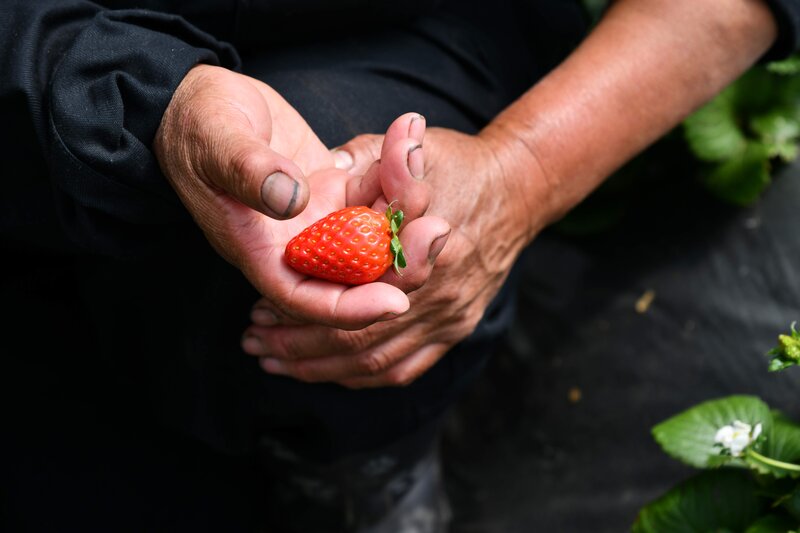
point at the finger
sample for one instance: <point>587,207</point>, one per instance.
<point>322,302</point>
<point>366,189</point>
<point>357,154</point>
<point>265,314</point>
<point>373,362</point>
<point>401,176</point>
<point>403,373</point>
<point>308,341</point>
<point>406,126</point>
<point>422,240</point>
<point>247,169</point>
<point>392,180</point>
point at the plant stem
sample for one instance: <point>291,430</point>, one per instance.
<point>774,462</point>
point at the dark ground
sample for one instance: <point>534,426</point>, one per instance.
<point>555,436</point>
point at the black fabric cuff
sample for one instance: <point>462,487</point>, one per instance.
<point>106,100</point>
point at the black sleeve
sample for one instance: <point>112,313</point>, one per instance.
<point>787,15</point>
<point>91,85</point>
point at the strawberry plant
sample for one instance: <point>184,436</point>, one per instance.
<point>749,455</point>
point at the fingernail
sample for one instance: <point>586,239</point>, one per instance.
<point>416,128</point>
<point>273,366</point>
<point>263,317</point>
<point>437,246</point>
<point>279,193</point>
<point>342,160</point>
<point>253,345</point>
<point>416,163</point>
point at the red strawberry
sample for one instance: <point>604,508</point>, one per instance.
<point>354,245</point>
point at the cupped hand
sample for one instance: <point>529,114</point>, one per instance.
<point>241,159</point>
<point>491,223</point>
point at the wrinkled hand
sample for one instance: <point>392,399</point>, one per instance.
<point>469,190</point>
<point>238,155</point>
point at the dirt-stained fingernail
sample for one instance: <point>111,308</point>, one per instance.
<point>437,246</point>
<point>416,162</point>
<point>416,128</point>
<point>279,192</point>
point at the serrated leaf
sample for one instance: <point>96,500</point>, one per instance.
<point>712,501</point>
<point>772,523</point>
<point>741,179</point>
<point>689,436</point>
<point>712,132</point>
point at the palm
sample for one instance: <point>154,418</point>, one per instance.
<point>223,127</point>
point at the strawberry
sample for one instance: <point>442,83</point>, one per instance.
<point>354,245</point>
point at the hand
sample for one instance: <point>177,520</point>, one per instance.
<point>236,153</point>
<point>470,190</point>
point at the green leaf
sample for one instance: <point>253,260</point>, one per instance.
<point>778,132</point>
<point>689,436</point>
<point>741,179</point>
<point>756,92</point>
<point>713,501</point>
<point>780,452</point>
<point>713,132</point>
<point>399,257</point>
<point>786,67</point>
<point>783,441</point>
<point>772,523</point>
<point>787,352</point>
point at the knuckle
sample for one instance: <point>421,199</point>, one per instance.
<point>245,163</point>
<point>449,295</point>
<point>368,145</point>
<point>352,341</point>
<point>285,347</point>
<point>373,363</point>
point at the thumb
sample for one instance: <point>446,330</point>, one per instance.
<point>247,169</point>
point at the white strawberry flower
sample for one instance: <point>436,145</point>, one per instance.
<point>736,437</point>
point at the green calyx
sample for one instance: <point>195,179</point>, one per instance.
<point>395,220</point>
<point>787,353</point>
